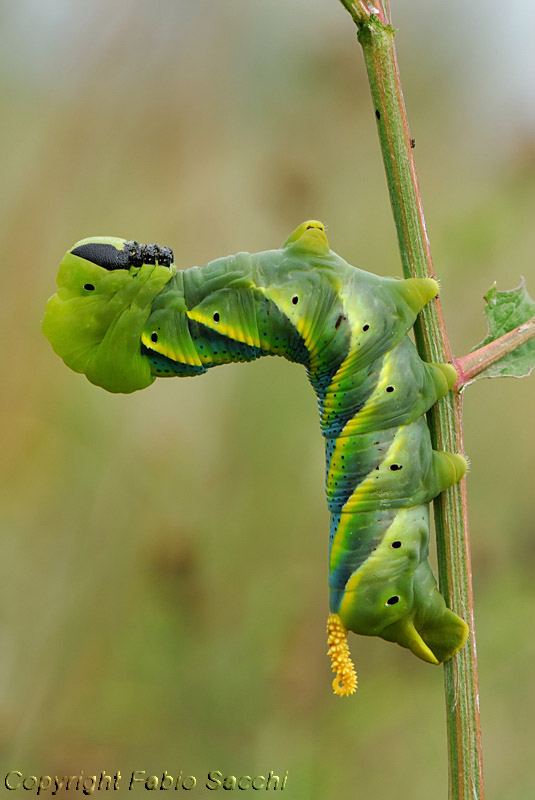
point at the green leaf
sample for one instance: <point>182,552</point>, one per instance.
<point>505,311</point>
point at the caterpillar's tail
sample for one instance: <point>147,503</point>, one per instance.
<point>345,681</point>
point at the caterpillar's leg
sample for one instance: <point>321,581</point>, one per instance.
<point>445,377</point>
<point>433,632</point>
<point>417,292</point>
<point>447,469</point>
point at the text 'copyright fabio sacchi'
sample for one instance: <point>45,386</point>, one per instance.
<point>139,779</point>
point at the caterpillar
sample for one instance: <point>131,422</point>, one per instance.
<point>124,315</point>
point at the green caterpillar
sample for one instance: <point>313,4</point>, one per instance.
<point>124,315</point>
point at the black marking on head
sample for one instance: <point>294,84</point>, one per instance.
<point>89,287</point>
<point>339,321</point>
<point>133,254</point>
<point>139,254</point>
<point>377,113</point>
<point>413,143</point>
<point>151,254</point>
<point>103,255</point>
<point>165,256</point>
<point>392,600</point>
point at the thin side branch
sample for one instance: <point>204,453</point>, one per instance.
<point>473,364</point>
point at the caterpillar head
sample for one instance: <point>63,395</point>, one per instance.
<point>106,287</point>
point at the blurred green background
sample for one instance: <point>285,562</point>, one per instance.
<point>163,584</point>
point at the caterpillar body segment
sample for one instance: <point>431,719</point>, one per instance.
<point>348,328</point>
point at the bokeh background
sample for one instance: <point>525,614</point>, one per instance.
<point>163,580</point>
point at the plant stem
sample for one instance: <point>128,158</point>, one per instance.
<point>376,36</point>
<point>473,364</point>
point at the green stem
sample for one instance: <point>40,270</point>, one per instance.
<point>376,36</point>
<point>473,364</point>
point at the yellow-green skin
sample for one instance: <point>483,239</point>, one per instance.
<point>349,329</point>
